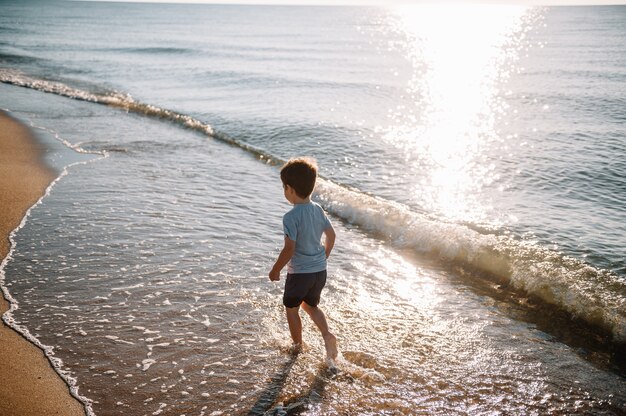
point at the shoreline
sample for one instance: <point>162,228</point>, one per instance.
<point>30,385</point>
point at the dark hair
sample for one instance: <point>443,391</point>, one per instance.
<point>300,174</point>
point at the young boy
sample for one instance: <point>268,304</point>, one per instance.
<point>304,252</point>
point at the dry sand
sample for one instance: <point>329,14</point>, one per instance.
<point>28,383</point>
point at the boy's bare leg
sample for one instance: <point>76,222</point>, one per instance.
<point>318,317</point>
<point>295,325</point>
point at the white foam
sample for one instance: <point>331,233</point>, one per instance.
<point>591,294</point>
<point>147,363</point>
<point>7,317</point>
<point>139,285</point>
<point>162,407</point>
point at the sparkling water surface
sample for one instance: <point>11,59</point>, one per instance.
<point>145,268</point>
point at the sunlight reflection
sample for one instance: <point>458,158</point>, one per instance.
<point>409,283</point>
<point>461,55</point>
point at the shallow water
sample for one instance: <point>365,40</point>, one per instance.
<point>475,272</point>
<point>159,300</point>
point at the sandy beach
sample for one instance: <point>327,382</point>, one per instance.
<point>29,385</point>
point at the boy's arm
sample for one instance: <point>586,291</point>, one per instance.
<point>283,258</point>
<point>329,242</point>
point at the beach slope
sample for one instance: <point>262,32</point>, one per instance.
<point>28,383</point>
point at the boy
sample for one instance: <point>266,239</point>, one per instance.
<point>304,253</point>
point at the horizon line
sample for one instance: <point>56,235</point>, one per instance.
<point>379,3</point>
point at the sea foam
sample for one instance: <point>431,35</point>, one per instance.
<point>593,295</point>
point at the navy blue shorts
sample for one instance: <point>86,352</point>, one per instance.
<point>305,287</point>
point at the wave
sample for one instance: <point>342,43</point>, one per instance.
<point>16,58</point>
<point>126,102</point>
<point>593,295</point>
<point>156,50</point>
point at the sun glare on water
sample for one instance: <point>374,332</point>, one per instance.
<point>461,56</point>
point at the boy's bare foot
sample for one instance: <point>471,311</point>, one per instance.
<point>295,349</point>
<point>330,342</point>
<point>332,367</point>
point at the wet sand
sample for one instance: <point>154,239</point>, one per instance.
<point>28,383</point>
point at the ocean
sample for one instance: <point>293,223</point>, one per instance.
<point>472,160</point>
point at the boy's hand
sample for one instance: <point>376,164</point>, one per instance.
<point>274,275</point>
<point>283,258</point>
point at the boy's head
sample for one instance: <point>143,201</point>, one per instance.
<point>300,174</point>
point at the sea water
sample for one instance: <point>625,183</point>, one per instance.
<point>472,160</point>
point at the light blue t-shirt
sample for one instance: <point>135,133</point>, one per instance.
<point>305,224</point>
